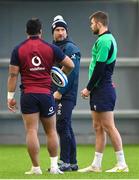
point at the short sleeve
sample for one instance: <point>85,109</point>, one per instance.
<point>59,55</point>
<point>14,57</point>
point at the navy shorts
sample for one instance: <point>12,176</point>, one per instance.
<point>103,99</point>
<point>36,102</point>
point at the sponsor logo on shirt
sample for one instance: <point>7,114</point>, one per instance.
<point>36,61</point>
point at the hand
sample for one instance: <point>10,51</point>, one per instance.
<point>11,103</point>
<point>85,93</point>
<point>57,95</point>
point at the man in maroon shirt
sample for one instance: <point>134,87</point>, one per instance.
<point>33,59</point>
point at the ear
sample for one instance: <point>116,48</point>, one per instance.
<point>99,25</point>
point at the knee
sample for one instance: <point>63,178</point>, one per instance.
<point>97,127</point>
<point>109,128</point>
<point>62,126</point>
<point>31,131</point>
<point>64,131</point>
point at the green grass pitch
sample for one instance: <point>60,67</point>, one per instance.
<point>14,161</point>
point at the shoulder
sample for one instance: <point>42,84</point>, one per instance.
<point>15,50</point>
<point>47,43</point>
<point>20,44</point>
<point>106,37</point>
<point>14,60</point>
<point>72,45</point>
<point>105,40</point>
<point>71,48</point>
<point>53,47</point>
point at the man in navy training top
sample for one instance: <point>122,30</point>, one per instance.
<point>33,59</point>
<point>66,97</point>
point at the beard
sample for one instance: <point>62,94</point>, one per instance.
<point>96,31</point>
<point>60,38</point>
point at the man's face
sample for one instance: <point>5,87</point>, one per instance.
<point>94,26</point>
<point>60,34</point>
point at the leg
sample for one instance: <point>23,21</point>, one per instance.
<point>64,110</point>
<point>100,140</point>
<point>107,121</point>
<point>99,145</point>
<point>30,114</point>
<point>73,152</point>
<point>73,159</point>
<point>31,126</point>
<point>65,144</point>
<point>49,125</point>
<point>67,139</point>
<point>100,133</point>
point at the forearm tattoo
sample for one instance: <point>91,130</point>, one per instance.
<point>12,75</point>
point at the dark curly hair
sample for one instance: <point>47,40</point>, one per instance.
<point>33,26</point>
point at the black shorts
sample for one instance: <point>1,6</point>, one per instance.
<point>36,102</point>
<point>103,99</point>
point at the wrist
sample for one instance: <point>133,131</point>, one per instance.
<point>10,95</point>
<point>88,89</point>
<point>59,91</point>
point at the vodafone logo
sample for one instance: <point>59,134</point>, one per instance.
<point>36,61</point>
